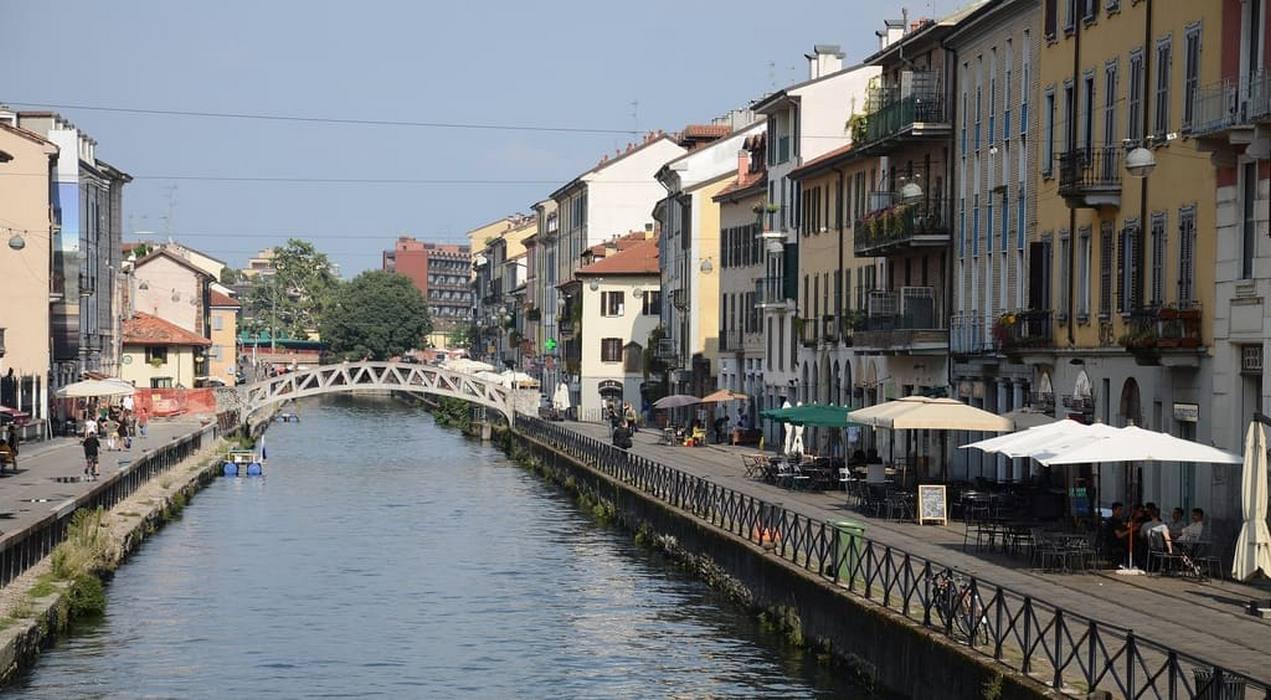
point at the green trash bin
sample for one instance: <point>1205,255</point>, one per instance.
<point>850,546</point>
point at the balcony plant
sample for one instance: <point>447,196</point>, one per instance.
<point>855,320</point>
<point>766,207</point>
<point>1142,342</point>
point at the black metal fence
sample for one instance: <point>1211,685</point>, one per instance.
<point>1057,646</point>
<point>22,549</point>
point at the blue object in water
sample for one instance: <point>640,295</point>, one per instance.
<point>254,469</point>
<point>230,469</point>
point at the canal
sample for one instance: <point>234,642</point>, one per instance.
<point>383,555</point>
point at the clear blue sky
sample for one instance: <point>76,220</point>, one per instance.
<point>574,63</point>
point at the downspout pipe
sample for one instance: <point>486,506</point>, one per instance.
<point>1071,126</point>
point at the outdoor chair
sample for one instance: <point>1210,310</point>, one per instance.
<point>1203,559</point>
<point>1160,559</point>
<point>900,506</point>
<point>875,502</point>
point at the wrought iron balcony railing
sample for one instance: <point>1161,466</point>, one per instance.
<point>896,224</point>
<point>1229,103</point>
<point>1091,177</point>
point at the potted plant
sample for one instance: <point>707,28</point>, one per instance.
<point>1141,341</point>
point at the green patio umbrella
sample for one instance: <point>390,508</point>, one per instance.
<point>820,415</point>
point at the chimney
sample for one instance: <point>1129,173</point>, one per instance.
<point>824,60</point>
<point>743,165</point>
<point>893,30</point>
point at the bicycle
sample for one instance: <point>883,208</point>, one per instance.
<point>960,608</point>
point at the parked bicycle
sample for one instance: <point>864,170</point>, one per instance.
<point>959,607</point>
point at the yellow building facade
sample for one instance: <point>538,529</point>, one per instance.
<point>1123,260</point>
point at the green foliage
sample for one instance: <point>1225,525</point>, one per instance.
<point>453,413</point>
<point>44,586</point>
<point>377,314</point>
<point>230,275</point>
<point>86,597</point>
<point>294,298</point>
<point>86,548</point>
<point>464,336</point>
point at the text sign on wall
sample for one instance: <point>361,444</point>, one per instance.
<point>1186,412</point>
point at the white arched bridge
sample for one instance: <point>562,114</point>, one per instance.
<point>387,376</point>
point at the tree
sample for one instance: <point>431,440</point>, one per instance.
<point>464,336</point>
<point>293,298</point>
<point>377,314</point>
<point>231,275</point>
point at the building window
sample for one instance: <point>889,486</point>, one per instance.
<point>612,303</point>
<point>1024,85</point>
<point>1112,5</point>
<point>1021,225</point>
<point>1134,98</point>
<point>975,225</point>
<point>1105,269</point>
<point>1070,17</point>
<point>1064,271</point>
<point>157,354</point>
<point>979,98</point>
<point>1091,10</point>
<point>962,227</point>
<point>652,303</point>
<point>1051,12</point>
<point>217,322</point>
<point>1158,259</point>
<point>993,97</point>
<point>1087,121</point>
<point>1191,73</point>
<point>1248,238</point>
<point>988,227</point>
<point>1129,274</point>
<point>1110,104</point>
<point>1164,56</point>
<point>1048,147</point>
<point>611,349</point>
<point>1187,255</point>
<point>161,382</point>
<point>1070,113</point>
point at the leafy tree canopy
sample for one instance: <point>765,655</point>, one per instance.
<point>294,297</point>
<point>377,315</point>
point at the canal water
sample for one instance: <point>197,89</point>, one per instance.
<point>383,555</point>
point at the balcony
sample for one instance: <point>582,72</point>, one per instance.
<point>906,320</point>
<point>1091,178</point>
<point>914,110</point>
<point>1018,330</point>
<point>1150,331</point>
<point>895,225</point>
<point>966,335</point>
<point>739,340</point>
<point>668,351</point>
<point>771,294</point>
<point>809,332</point>
<point>1226,111</point>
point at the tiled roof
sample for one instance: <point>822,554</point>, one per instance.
<point>717,131</point>
<point>756,181</point>
<point>219,299</point>
<point>144,329</point>
<point>638,259</point>
<point>821,160</point>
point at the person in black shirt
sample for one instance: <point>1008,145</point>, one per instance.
<point>622,436</point>
<point>91,448</point>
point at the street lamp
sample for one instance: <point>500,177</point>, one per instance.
<point>1140,162</point>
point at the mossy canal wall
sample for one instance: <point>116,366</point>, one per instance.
<point>887,652</point>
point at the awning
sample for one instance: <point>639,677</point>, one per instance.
<point>90,388</point>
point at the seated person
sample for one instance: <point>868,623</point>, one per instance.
<point>858,457</point>
<point>1196,530</point>
<point>1114,533</point>
<point>1153,527</point>
<point>1176,523</point>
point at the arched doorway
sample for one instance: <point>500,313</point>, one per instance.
<point>1130,407</point>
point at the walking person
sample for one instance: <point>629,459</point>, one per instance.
<point>143,419</point>
<point>91,447</point>
<point>629,415</point>
<point>110,429</point>
<point>14,440</point>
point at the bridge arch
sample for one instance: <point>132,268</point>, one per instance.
<point>381,376</point>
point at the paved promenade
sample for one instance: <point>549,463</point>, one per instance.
<point>1202,619</point>
<point>35,489</point>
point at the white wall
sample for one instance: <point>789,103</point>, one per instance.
<point>164,276</point>
<point>631,326</point>
<point>620,196</point>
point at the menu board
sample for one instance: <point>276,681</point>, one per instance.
<point>933,505</point>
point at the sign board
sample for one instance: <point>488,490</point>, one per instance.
<point>933,504</point>
<point>1186,412</point>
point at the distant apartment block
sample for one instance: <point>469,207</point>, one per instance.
<point>440,271</point>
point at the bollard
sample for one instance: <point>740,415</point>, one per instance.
<point>486,431</point>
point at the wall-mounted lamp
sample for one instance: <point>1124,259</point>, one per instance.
<point>176,296</point>
<point>706,267</point>
<point>17,242</point>
<point>144,285</point>
<point>594,284</point>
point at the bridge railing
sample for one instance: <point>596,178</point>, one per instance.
<point>24,548</point>
<point>1052,644</point>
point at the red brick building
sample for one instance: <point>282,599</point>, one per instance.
<point>440,271</point>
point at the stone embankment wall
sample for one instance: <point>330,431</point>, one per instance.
<point>887,652</point>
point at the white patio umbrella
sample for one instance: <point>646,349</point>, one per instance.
<point>560,399</point>
<point>788,446</point>
<point>90,388</point>
<point>1135,444</point>
<point>1003,443</point>
<point>1029,417</point>
<point>1253,548</point>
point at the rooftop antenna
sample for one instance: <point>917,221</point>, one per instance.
<point>772,75</point>
<point>635,116</point>
<point>171,193</point>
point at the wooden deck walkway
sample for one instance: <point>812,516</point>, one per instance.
<point>1205,620</point>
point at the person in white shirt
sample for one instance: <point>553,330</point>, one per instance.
<point>1195,531</point>
<point>90,426</point>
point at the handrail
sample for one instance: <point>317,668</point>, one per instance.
<point>1052,644</point>
<point>24,548</point>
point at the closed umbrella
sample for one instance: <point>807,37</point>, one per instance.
<point>676,401</point>
<point>788,447</point>
<point>1253,548</point>
<point>560,400</point>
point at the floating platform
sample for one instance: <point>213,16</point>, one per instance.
<point>242,463</point>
